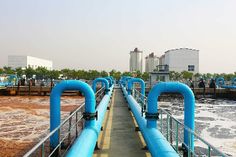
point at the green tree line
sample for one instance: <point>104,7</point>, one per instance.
<point>175,76</point>
<point>43,73</point>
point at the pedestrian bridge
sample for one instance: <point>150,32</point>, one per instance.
<point>119,120</point>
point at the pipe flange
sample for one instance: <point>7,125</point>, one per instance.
<point>107,90</point>
<point>153,116</point>
<point>90,116</point>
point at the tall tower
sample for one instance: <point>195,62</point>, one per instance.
<point>151,62</point>
<point>136,60</point>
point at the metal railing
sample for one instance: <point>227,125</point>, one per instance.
<point>68,130</point>
<point>173,130</point>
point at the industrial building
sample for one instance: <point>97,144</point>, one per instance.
<point>183,59</point>
<point>136,60</point>
<point>15,61</point>
<point>151,62</point>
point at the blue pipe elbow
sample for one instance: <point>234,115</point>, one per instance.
<point>110,81</point>
<point>189,106</point>
<point>103,81</point>
<point>55,104</point>
<point>138,80</point>
<point>220,79</point>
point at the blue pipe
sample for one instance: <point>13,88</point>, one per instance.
<point>138,80</point>
<point>127,78</point>
<point>55,105</point>
<point>189,106</point>
<point>103,81</point>
<point>156,142</point>
<point>85,144</point>
<point>220,79</point>
<point>228,87</point>
<point>110,81</point>
<point>233,81</point>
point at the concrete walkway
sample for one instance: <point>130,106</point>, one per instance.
<point>118,137</point>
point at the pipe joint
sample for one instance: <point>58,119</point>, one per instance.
<point>90,116</point>
<point>152,116</point>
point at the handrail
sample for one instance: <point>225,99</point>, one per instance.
<point>55,130</point>
<point>42,142</point>
<point>210,146</point>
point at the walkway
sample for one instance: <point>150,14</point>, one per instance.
<point>118,137</point>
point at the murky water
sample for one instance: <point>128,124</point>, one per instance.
<point>215,121</point>
<point>25,120</point>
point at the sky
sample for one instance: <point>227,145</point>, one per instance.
<point>99,34</point>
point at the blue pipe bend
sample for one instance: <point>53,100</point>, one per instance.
<point>55,104</point>
<point>110,80</point>
<point>220,79</point>
<point>138,80</point>
<point>189,106</point>
<point>103,81</point>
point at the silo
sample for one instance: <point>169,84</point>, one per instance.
<point>136,60</point>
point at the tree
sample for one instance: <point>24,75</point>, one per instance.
<point>1,70</point>
<point>41,73</point>
<point>187,75</point>
<point>19,72</point>
<point>145,76</point>
<point>103,73</point>
<point>8,70</point>
<point>29,72</point>
<point>54,74</point>
<point>126,73</point>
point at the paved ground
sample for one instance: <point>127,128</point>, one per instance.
<point>118,137</point>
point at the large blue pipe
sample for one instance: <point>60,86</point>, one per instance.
<point>156,142</point>
<point>55,105</point>
<point>85,144</point>
<point>102,80</point>
<point>189,106</point>
<point>136,80</point>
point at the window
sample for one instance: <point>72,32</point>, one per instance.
<point>190,67</point>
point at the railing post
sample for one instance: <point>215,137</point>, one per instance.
<point>171,133</point>
<point>59,148</point>
<point>209,151</point>
<point>76,121</point>
<point>168,127</point>
<point>177,137</point>
<point>69,136</point>
<point>42,150</point>
<point>189,147</point>
<point>161,121</point>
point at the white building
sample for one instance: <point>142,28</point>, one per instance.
<point>136,60</point>
<point>151,62</point>
<point>182,59</point>
<point>28,61</point>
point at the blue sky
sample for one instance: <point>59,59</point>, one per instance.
<point>98,34</point>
